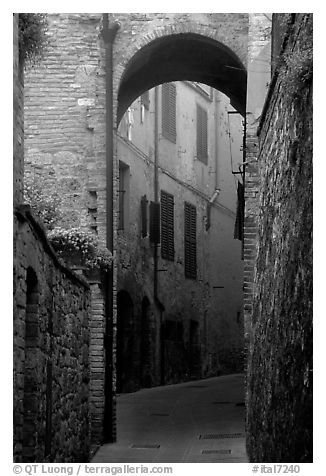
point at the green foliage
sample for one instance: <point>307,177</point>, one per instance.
<point>45,205</point>
<point>76,246</point>
<point>32,36</point>
<point>73,245</point>
<point>296,70</point>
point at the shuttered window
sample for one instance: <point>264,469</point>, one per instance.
<point>167,226</point>
<point>202,153</point>
<point>190,241</point>
<point>169,111</point>
<point>154,226</point>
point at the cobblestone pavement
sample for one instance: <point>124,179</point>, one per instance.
<point>194,422</point>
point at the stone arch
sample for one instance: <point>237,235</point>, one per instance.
<point>178,52</point>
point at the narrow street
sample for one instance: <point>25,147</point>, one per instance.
<point>201,421</point>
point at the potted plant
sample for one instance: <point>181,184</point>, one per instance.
<point>81,249</point>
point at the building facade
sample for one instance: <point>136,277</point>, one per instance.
<point>179,266</point>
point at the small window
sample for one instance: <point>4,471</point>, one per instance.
<point>167,226</point>
<point>169,93</point>
<point>154,222</point>
<point>202,151</point>
<point>143,207</point>
<point>92,210</point>
<point>123,192</point>
<point>130,122</point>
<point>190,241</point>
<point>144,100</point>
<point>173,330</point>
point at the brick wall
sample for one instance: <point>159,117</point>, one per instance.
<point>65,119</point>
<point>51,351</point>
<point>97,360</point>
<point>279,418</point>
<point>259,72</point>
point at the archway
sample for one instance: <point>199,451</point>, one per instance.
<point>183,56</point>
<point>187,57</point>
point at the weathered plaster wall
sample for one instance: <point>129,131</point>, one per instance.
<point>51,351</point>
<point>279,418</point>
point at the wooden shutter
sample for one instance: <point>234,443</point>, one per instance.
<point>169,93</point>
<point>190,241</point>
<point>154,226</point>
<point>144,100</point>
<point>143,209</point>
<point>167,226</point>
<point>202,153</point>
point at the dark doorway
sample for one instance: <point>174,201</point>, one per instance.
<point>145,345</point>
<point>194,350</point>
<point>125,312</point>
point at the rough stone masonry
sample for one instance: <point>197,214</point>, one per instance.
<point>51,331</point>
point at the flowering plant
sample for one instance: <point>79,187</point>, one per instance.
<point>45,205</point>
<point>76,245</point>
<point>33,41</point>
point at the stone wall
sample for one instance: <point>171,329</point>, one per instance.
<point>279,418</point>
<point>65,119</point>
<point>51,362</point>
<point>18,107</point>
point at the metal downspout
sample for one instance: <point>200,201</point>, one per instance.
<point>156,184</point>
<point>109,34</point>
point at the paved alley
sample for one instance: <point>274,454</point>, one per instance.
<point>201,421</point>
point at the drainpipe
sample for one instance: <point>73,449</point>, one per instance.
<point>156,199</point>
<point>109,34</point>
<point>244,175</point>
<point>217,176</point>
<point>156,183</point>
